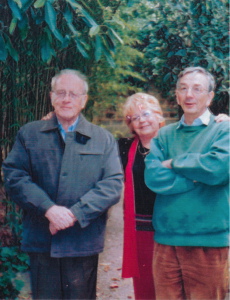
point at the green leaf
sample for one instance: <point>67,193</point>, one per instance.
<point>13,24</point>
<point>80,48</point>
<point>50,18</point>
<point>58,35</point>
<point>94,30</point>
<point>65,41</point>
<point>18,2</point>
<point>72,28</point>
<point>18,284</point>
<point>26,4</point>
<point>97,52</point>
<point>46,49</point>
<point>23,26</point>
<point>181,52</point>
<point>15,10</point>
<point>108,57</point>
<point>3,52</point>
<point>117,36</point>
<point>23,22</point>
<point>117,21</point>
<point>67,15</point>
<point>166,77</point>
<point>110,43</point>
<point>13,53</point>
<point>82,11</point>
<point>39,3</point>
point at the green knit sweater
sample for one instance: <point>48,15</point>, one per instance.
<point>191,207</point>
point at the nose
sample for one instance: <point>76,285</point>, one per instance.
<point>67,97</point>
<point>142,118</point>
<point>189,92</point>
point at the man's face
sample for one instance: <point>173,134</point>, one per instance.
<point>193,96</point>
<point>68,98</point>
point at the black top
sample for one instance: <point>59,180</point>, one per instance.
<point>144,197</point>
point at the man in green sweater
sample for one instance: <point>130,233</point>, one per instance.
<point>188,168</point>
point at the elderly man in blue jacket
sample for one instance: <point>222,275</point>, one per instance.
<point>64,173</point>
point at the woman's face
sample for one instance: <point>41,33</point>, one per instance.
<point>144,122</point>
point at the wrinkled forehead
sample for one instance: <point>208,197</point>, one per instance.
<point>68,81</point>
<point>194,79</point>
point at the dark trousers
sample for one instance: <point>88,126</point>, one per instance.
<point>63,278</point>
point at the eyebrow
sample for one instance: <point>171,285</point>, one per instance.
<point>184,84</point>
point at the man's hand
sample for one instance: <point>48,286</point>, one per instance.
<point>60,217</point>
<point>48,116</point>
<point>52,229</point>
<point>221,118</point>
<point>167,163</point>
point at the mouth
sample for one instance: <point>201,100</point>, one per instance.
<point>144,126</point>
<point>65,107</point>
<point>189,104</point>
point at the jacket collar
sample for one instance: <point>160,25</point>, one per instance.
<point>83,127</point>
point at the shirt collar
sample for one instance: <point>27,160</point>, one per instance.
<point>82,127</point>
<point>71,127</point>
<point>204,119</point>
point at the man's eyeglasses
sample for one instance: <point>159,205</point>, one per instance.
<point>196,90</point>
<point>62,94</point>
<point>136,118</point>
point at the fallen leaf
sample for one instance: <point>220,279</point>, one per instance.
<point>113,285</point>
<point>106,268</point>
<point>115,279</point>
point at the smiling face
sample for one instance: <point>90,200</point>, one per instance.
<point>193,104</point>
<point>68,98</point>
<point>147,125</point>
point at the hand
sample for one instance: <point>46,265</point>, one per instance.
<point>60,217</point>
<point>221,118</point>
<point>48,116</point>
<point>52,229</point>
<point>167,163</point>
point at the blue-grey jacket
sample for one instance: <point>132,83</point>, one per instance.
<point>83,174</point>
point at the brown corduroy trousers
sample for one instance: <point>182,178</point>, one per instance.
<point>191,273</point>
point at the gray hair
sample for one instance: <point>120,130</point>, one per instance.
<point>72,72</point>
<point>210,78</point>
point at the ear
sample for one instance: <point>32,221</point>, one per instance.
<point>177,98</point>
<point>50,95</point>
<point>83,101</point>
<point>210,97</point>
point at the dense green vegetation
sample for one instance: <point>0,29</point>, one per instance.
<point>181,33</point>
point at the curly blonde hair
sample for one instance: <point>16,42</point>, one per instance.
<point>145,101</point>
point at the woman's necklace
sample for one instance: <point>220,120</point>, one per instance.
<point>142,150</point>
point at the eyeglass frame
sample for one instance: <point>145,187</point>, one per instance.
<point>63,94</point>
<point>137,117</point>
<point>186,89</point>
